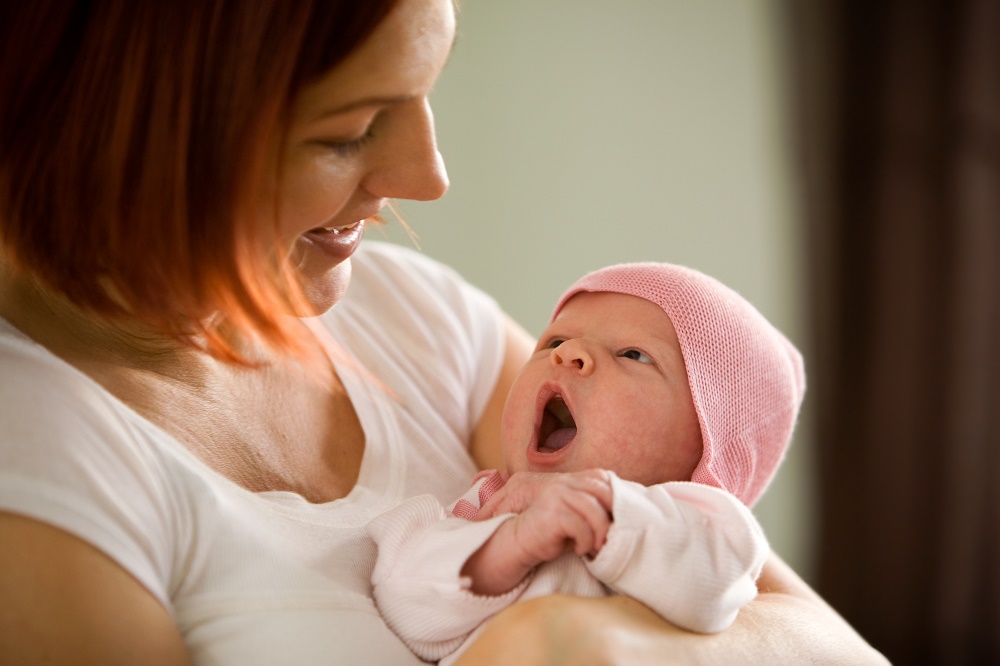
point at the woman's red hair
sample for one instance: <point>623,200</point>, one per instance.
<point>135,137</point>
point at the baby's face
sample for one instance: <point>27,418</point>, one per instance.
<point>606,387</point>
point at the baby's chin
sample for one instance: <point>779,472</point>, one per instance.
<point>512,467</point>
<point>515,466</point>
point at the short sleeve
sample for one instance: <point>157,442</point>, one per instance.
<point>69,459</point>
<point>407,311</point>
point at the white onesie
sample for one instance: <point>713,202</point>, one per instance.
<point>689,551</point>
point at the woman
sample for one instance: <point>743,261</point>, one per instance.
<point>186,466</point>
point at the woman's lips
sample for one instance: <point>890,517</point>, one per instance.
<point>337,243</point>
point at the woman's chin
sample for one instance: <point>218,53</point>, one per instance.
<point>324,291</point>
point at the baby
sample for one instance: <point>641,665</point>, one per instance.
<point>655,410</point>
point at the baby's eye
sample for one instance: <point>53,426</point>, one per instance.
<point>636,355</point>
<point>554,342</point>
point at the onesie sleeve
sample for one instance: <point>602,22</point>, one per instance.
<point>689,551</point>
<point>416,582</point>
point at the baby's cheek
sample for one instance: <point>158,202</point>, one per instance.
<point>507,426</point>
<point>617,429</point>
<point>634,446</point>
<point>516,423</point>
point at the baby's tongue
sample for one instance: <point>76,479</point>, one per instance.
<point>558,439</point>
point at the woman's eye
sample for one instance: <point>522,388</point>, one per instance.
<point>637,355</point>
<point>348,148</point>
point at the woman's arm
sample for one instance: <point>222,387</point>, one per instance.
<point>66,602</point>
<point>485,448</point>
<point>787,623</point>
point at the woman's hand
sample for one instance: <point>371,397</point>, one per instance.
<point>566,630</point>
<point>786,624</point>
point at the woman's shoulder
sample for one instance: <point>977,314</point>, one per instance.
<point>66,439</point>
<point>37,387</point>
<point>59,426</point>
<point>71,456</point>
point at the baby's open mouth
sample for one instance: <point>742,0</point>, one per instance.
<point>558,428</point>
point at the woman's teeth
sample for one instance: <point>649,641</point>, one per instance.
<point>337,230</point>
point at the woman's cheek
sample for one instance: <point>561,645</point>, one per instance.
<point>315,192</point>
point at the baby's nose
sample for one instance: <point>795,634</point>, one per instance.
<point>573,354</point>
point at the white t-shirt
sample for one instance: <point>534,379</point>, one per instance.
<point>263,578</point>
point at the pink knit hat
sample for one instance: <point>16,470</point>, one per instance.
<point>746,378</point>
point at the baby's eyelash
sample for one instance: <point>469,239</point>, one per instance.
<point>637,355</point>
<point>547,345</point>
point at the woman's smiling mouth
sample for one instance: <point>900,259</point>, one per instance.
<point>338,243</point>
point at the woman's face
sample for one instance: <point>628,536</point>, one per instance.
<point>359,136</point>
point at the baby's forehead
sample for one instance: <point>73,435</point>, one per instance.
<point>611,308</point>
<point>614,314</point>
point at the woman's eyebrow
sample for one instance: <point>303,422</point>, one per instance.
<point>364,103</point>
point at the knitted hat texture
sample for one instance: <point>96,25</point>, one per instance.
<point>747,380</point>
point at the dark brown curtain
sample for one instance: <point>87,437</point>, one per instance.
<point>900,111</point>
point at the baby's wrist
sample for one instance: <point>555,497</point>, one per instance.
<point>500,564</point>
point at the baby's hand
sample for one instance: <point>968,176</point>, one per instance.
<point>521,490</point>
<point>568,511</point>
<point>556,512</point>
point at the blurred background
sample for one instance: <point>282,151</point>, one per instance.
<point>837,163</point>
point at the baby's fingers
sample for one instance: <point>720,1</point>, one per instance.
<point>597,519</point>
<point>515,496</point>
<point>570,530</point>
<point>499,502</point>
<point>595,482</point>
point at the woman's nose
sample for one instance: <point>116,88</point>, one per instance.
<point>410,166</point>
<point>573,354</point>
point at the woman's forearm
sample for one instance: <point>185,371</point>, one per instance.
<point>786,623</point>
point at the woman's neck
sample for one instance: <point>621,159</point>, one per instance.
<point>83,338</point>
<point>275,427</point>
